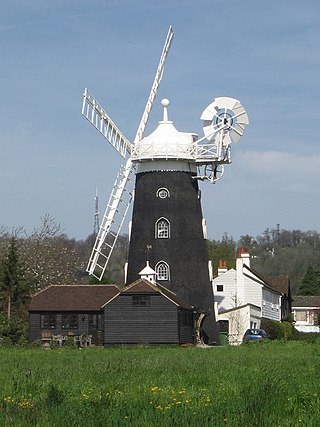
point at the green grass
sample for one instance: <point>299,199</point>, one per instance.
<point>266,384</point>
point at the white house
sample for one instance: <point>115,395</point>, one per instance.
<point>243,298</point>
<point>306,312</point>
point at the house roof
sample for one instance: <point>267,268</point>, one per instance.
<point>306,301</point>
<point>281,283</point>
<point>262,280</point>
<point>73,298</point>
<point>239,307</point>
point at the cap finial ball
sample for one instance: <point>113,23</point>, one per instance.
<point>165,102</point>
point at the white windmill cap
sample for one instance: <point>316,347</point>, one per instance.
<point>165,142</point>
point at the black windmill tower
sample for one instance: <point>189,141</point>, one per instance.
<point>162,171</point>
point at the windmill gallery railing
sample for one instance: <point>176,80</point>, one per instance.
<point>199,153</point>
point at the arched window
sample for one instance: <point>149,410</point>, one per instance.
<point>163,271</point>
<point>162,229</point>
<point>163,193</point>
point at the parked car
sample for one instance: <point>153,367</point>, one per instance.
<point>252,335</point>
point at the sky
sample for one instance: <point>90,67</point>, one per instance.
<point>264,53</point>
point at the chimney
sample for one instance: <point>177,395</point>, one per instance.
<point>244,256</point>
<point>222,267</point>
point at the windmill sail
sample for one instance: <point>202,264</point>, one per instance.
<point>98,117</point>
<point>121,195</point>
<point>155,85</point>
<point>112,221</point>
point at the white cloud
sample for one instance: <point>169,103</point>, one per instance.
<point>291,171</point>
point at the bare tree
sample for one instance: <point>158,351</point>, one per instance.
<point>50,257</point>
<point>237,321</point>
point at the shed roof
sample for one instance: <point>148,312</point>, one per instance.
<point>144,286</point>
<point>73,298</point>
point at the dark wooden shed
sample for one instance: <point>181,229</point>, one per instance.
<point>142,313</point>
<point>147,313</point>
<point>69,311</point>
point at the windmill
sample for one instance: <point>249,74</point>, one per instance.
<point>162,170</point>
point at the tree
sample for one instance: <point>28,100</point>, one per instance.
<point>224,250</point>
<point>237,321</point>
<point>51,258</point>
<point>310,283</point>
<point>14,289</point>
<point>248,242</point>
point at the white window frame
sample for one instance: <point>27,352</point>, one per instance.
<point>162,270</point>
<point>162,229</point>
<point>163,193</point>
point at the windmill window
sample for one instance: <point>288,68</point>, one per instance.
<point>163,271</point>
<point>162,229</point>
<point>163,193</point>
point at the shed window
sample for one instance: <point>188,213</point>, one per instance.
<point>48,321</point>
<point>163,271</point>
<point>219,288</point>
<point>141,300</point>
<point>95,321</point>
<point>163,193</point>
<point>162,229</point>
<point>69,321</point>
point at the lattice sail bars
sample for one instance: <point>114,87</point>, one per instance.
<point>155,86</point>
<point>98,117</point>
<point>112,221</point>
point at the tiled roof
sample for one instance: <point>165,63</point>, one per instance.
<point>73,298</point>
<point>144,286</point>
<point>267,284</point>
<point>140,285</point>
<point>306,301</point>
<point>281,283</point>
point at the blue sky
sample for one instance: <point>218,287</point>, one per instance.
<point>266,54</point>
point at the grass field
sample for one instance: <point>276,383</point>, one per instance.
<point>268,384</point>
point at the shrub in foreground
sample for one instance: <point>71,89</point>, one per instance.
<point>279,330</point>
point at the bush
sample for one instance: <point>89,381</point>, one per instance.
<point>288,331</point>
<point>12,332</point>
<point>276,330</point>
<point>272,328</point>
